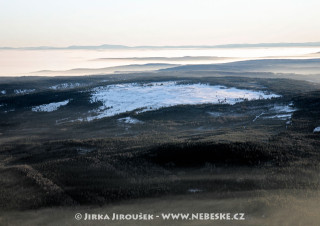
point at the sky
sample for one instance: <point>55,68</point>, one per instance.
<point>25,23</point>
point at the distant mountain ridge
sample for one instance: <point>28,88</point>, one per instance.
<point>302,66</point>
<point>107,46</point>
<point>124,68</point>
<point>184,58</point>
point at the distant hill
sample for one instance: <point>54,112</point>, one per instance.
<point>302,66</point>
<point>107,70</point>
<point>107,46</point>
<point>185,58</point>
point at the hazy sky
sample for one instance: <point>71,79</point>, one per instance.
<point>157,22</point>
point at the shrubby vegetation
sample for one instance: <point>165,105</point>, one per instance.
<point>175,149</point>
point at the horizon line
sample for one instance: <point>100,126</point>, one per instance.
<point>116,46</point>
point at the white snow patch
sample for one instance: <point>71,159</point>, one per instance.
<point>283,108</point>
<point>23,91</point>
<point>10,110</point>
<point>50,107</point>
<point>62,121</point>
<point>283,112</point>
<point>129,120</point>
<point>194,190</point>
<point>283,117</point>
<point>214,114</point>
<point>3,92</point>
<point>120,98</point>
<point>65,86</point>
<point>317,129</point>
